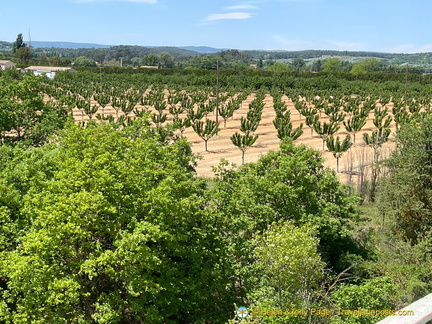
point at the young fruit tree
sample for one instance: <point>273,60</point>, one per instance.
<point>87,108</point>
<point>354,125</point>
<point>206,130</point>
<point>375,141</point>
<point>103,100</point>
<point>249,124</point>
<point>380,121</point>
<point>284,127</point>
<point>311,120</point>
<point>243,142</point>
<point>227,110</point>
<point>338,147</point>
<point>324,130</point>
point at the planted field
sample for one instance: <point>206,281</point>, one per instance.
<point>353,165</point>
<point>352,126</point>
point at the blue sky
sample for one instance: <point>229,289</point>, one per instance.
<point>364,25</point>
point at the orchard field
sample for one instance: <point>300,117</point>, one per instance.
<point>254,112</point>
<point>349,109</point>
<point>357,159</point>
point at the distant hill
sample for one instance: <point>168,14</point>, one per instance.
<point>202,49</point>
<point>72,45</point>
<point>99,52</point>
<point>44,44</point>
<point>176,51</point>
<point>413,59</point>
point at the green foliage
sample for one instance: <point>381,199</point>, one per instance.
<point>405,196</point>
<point>287,201</point>
<point>24,116</point>
<point>289,264</point>
<point>405,262</point>
<point>332,65</point>
<point>376,139</point>
<point>150,60</point>
<point>108,224</point>
<point>116,232</point>
<point>370,64</point>
<point>82,61</point>
<point>18,43</point>
<point>367,65</point>
<point>379,120</point>
<point>278,68</point>
<point>249,124</point>
<point>358,69</point>
<point>354,125</point>
<point>24,54</point>
<point>166,60</point>
<point>290,184</point>
<point>374,294</point>
<point>298,64</point>
<point>227,110</point>
<point>324,129</point>
<point>284,127</point>
<point>282,122</point>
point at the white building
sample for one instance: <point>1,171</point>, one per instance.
<point>4,65</point>
<point>49,71</point>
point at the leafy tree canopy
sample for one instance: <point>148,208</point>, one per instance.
<point>18,43</point>
<point>278,68</point>
<point>405,197</point>
<point>24,115</point>
<point>109,227</point>
<point>332,65</point>
<point>82,61</point>
<point>290,184</point>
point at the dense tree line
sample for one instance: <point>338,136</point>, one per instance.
<point>255,79</point>
<point>135,56</point>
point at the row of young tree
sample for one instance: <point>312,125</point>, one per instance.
<point>196,107</point>
<point>323,114</point>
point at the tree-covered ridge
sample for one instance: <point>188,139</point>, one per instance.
<point>309,54</point>
<point>186,57</point>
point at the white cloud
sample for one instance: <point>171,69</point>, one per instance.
<point>401,48</point>
<point>298,45</point>
<point>424,48</point>
<point>408,48</point>
<point>229,15</point>
<point>301,1</point>
<point>346,46</point>
<point>239,7</point>
<point>292,44</point>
